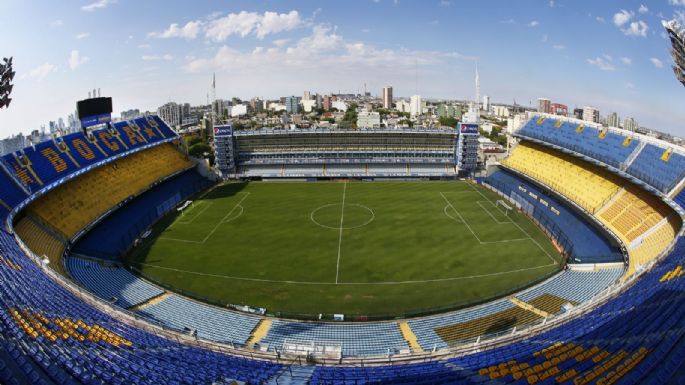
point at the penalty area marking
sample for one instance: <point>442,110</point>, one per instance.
<point>519,227</point>
<point>464,277</point>
<point>490,214</point>
<point>463,221</point>
<point>227,218</point>
<point>205,206</point>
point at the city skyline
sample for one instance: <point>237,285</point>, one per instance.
<point>617,60</point>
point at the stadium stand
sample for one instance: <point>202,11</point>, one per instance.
<point>101,189</point>
<point>211,322</point>
<point>658,167</point>
<point>38,166</point>
<point>42,241</point>
<point>112,282</point>
<point>117,232</point>
<point>360,153</point>
<point>608,145</point>
<point>629,335</point>
<point>376,339</point>
<point>585,244</point>
<point>657,163</point>
<point>632,212</point>
<point>589,186</point>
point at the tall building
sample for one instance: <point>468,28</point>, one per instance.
<point>486,103</point>
<point>558,109</point>
<point>630,124</point>
<point>677,35</point>
<point>170,113</point>
<point>12,144</point>
<point>292,104</point>
<point>591,114</point>
<point>366,119</point>
<point>613,120</point>
<point>415,105</point>
<point>307,95</point>
<point>327,101</point>
<point>544,105</point>
<point>387,97</point>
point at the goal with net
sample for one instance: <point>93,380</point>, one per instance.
<point>503,207</point>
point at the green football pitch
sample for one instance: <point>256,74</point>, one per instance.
<point>357,248</point>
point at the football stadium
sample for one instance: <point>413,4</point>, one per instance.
<point>343,256</point>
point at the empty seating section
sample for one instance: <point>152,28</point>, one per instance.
<point>662,172</point>
<point>653,243</point>
<point>587,244</point>
<point>574,286</point>
<point>496,317</point>
<point>211,322</point>
<point>606,146</point>
<point>632,212</point>
<point>72,206</point>
<point>357,339</point>
<point>111,282</point>
<point>48,161</point>
<point>42,242</point>
<point>341,153</point>
<point>11,195</point>
<point>589,186</point>
<point>117,232</point>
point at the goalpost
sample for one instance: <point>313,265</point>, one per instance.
<point>504,207</point>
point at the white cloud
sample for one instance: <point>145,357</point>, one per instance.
<point>534,23</point>
<point>144,46</point>
<point>603,63</point>
<point>643,9</point>
<point>600,19</point>
<point>245,23</point>
<point>321,49</point>
<point>83,35</point>
<point>273,22</point>
<point>551,3</point>
<point>166,57</point>
<point>508,21</point>
<point>280,42</point>
<point>622,17</point>
<point>657,63</point>
<point>40,72</point>
<point>96,5</point>
<point>76,60</point>
<point>559,46</point>
<point>445,3</point>
<point>636,28</point>
<point>188,31</point>
<point>627,60</point>
<point>57,23</point>
<point>677,2</point>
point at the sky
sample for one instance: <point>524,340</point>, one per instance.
<point>610,54</point>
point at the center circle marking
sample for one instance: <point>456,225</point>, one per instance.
<point>370,213</point>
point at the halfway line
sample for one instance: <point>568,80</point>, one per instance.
<point>342,215</point>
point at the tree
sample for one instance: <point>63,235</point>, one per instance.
<point>194,140</point>
<point>198,150</point>
<point>448,121</point>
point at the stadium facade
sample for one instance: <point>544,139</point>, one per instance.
<point>67,318</point>
<point>676,34</point>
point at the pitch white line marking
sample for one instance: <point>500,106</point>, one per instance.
<point>342,216</point>
<point>346,283</point>
<point>312,216</point>
<point>519,227</point>
<point>490,214</point>
<point>481,242</point>
<point>202,210</point>
<point>227,218</point>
